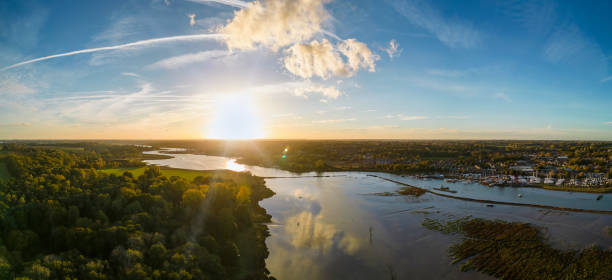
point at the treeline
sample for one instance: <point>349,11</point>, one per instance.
<point>85,154</point>
<point>61,219</point>
<point>417,156</point>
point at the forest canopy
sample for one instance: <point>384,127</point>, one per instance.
<point>60,218</point>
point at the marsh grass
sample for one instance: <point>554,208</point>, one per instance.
<point>519,251</point>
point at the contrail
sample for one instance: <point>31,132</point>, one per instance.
<point>123,46</point>
<point>233,3</point>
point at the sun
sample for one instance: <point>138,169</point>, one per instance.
<point>235,118</point>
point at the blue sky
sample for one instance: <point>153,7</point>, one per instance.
<point>192,69</point>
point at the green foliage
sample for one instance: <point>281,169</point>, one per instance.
<point>519,251</point>
<point>4,173</point>
<point>62,219</point>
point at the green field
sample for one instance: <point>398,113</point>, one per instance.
<point>238,177</point>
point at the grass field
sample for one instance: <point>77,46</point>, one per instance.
<point>238,177</point>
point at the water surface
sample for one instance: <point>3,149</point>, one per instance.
<point>335,228</point>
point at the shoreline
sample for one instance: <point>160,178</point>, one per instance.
<point>608,212</point>
<point>242,161</point>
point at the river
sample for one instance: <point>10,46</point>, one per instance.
<point>335,227</point>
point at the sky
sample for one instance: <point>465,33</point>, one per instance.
<point>305,69</point>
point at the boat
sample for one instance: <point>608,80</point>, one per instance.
<point>450,180</point>
<point>600,197</point>
<point>520,195</point>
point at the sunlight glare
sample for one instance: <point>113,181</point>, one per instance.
<point>234,166</point>
<point>235,119</point>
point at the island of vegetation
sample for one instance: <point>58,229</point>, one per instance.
<point>71,212</point>
<point>519,251</point>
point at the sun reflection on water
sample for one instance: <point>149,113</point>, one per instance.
<point>233,166</point>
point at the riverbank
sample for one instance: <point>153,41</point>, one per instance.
<point>299,169</point>
<point>575,189</point>
<point>497,202</point>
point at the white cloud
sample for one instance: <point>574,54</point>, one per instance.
<point>329,92</point>
<point>393,50</point>
<point>233,3</point>
<point>323,60</point>
<point>568,44</point>
<point>358,55</point>
<point>275,23</point>
<point>130,74</point>
<point>453,33</point>
<point>186,59</point>
<point>315,59</point>
<point>608,123</point>
<point>457,117</point>
<point>334,121</point>
<point>123,28</point>
<point>143,43</point>
<point>10,86</point>
<point>411,118</point>
<point>192,20</point>
<point>502,96</point>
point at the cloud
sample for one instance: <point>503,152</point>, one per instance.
<point>537,16</point>
<point>122,29</point>
<point>358,55</point>
<point>23,124</point>
<point>606,79</point>
<point>405,118</point>
<point>330,92</point>
<point>278,24</point>
<point>233,3</point>
<point>320,58</point>
<point>186,59</point>
<point>411,118</point>
<point>131,74</point>
<point>192,20</point>
<point>565,43</point>
<point>315,59</point>
<point>10,86</point>
<point>275,23</point>
<point>393,49</point>
<point>143,43</point>
<point>502,96</point>
<point>568,44</point>
<point>453,33</point>
<point>334,121</point>
<point>608,123</point>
